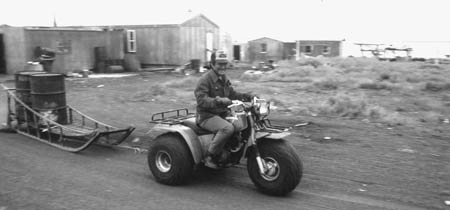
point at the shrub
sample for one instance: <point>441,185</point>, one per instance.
<point>329,84</point>
<point>355,64</point>
<point>446,97</point>
<point>250,76</point>
<point>297,74</point>
<point>430,66</point>
<point>310,62</point>
<point>385,76</point>
<point>436,86</point>
<point>414,79</point>
<point>344,106</point>
<point>374,86</point>
<point>376,112</point>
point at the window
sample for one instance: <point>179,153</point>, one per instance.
<point>131,40</point>
<point>326,49</point>
<point>263,47</point>
<point>308,49</point>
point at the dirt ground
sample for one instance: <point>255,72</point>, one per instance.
<point>408,164</point>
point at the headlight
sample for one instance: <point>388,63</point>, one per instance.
<point>262,107</point>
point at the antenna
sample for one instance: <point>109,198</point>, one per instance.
<point>54,21</point>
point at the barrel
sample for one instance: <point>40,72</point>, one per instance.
<point>195,64</point>
<point>131,62</point>
<point>23,93</point>
<point>48,96</point>
<point>100,54</point>
<point>34,67</point>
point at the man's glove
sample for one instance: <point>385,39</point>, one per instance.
<point>223,101</point>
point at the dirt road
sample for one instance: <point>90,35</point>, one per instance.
<point>36,176</point>
<point>360,165</point>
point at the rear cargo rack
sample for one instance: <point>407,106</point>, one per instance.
<point>172,117</point>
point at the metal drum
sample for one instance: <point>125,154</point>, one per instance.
<point>48,96</point>
<point>23,93</point>
<point>195,64</point>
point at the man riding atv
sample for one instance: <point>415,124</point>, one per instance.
<point>222,133</point>
<point>214,93</point>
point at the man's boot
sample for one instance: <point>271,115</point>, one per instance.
<point>210,162</point>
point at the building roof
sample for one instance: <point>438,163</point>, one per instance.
<point>65,28</point>
<point>320,40</point>
<point>262,38</point>
<point>169,21</point>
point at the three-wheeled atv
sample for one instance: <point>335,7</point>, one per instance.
<point>180,145</point>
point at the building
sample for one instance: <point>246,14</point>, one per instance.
<point>73,47</point>
<point>314,48</point>
<point>82,47</point>
<point>289,50</point>
<point>264,49</point>
<point>173,44</point>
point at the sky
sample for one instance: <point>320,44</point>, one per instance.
<point>356,21</point>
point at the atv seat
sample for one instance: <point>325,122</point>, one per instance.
<point>190,122</point>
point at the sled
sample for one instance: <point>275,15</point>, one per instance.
<point>74,134</point>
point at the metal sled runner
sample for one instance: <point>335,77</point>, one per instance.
<point>67,128</point>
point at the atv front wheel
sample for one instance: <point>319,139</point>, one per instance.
<point>170,160</point>
<point>283,168</point>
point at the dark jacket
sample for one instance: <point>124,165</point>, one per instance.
<point>208,89</point>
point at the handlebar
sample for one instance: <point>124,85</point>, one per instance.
<point>235,103</point>
<point>254,101</point>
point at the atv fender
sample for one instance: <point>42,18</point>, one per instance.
<point>267,135</point>
<point>188,135</point>
<point>264,136</point>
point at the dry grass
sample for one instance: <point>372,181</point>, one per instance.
<point>357,88</point>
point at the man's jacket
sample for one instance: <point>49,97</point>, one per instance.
<point>210,87</point>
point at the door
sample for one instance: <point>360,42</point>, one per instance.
<point>237,52</point>
<point>209,45</point>
<point>2,56</point>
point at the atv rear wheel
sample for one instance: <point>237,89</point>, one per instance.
<point>283,168</point>
<point>170,160</point>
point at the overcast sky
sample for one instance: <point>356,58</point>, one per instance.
<point>373,21</point>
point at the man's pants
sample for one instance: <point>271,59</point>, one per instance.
<point>222,129</point>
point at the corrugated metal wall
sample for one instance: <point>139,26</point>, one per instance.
<point>174,44</point>
<point>193,43</point>
<point>15,54</point>
<point>81,45</point>
<point>157,44</point>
